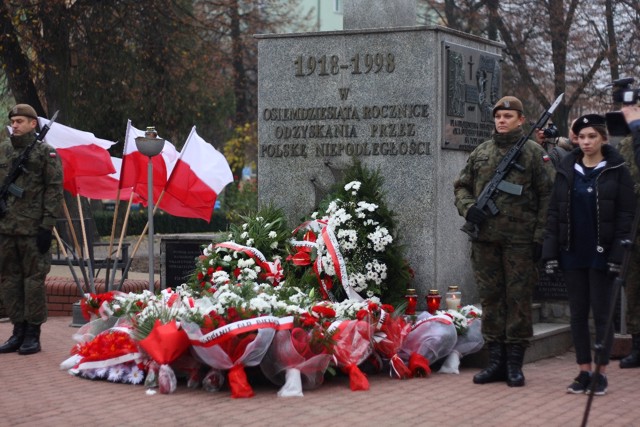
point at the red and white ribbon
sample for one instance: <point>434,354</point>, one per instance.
<point>339,264</point>
<point>236,328</point>
<point>273,269</point>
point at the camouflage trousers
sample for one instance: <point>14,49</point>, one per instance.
<point>632,291</point>
<point>506,276</point>
<point>23,270</point>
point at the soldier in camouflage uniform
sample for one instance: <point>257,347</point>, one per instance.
<point>26,230</point>
<point>632,283</point>
<point>508,246</point>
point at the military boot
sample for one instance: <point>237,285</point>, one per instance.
<point>31,343</point>
<point>496,369</point>
<point>633,359</point>
<point>515,357</point>
<point>15,341</point>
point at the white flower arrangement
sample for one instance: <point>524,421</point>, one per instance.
<point>361,240</point>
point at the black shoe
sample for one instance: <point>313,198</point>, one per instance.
<point>497,367</point>
<point>15,341</point>
<point>580,383</point>
<point>515,358</point>
<point>600,383</point>
<point>31,343</point>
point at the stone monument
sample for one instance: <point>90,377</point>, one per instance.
<point>410,101</point>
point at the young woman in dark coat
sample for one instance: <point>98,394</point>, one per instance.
<point>590,213</point>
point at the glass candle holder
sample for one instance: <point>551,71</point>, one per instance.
<point>412,302</point>
<point>453,298</point>
<point>433,301</point>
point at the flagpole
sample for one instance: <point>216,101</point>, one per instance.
<point>119,251</point>
<point>76,245</point>
<point>66,256</point>
<point>112,237</point>
<point>137,245</point>
<point>86,245</point>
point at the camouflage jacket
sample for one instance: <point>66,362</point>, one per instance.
<point>521,218</point>
<point>41,203</point>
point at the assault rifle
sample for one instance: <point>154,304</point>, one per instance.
<point>498,183</point>
<point>18,167</point>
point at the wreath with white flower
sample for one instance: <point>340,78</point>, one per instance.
<point>349,243</point>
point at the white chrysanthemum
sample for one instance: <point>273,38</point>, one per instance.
<point>102,372</point>
<point>220,277</point>
<point>244,226</point>
<point>244,235</point>
<point>117,373</point>
<point>274,244</point>
<point>135,375</point>
<point>226,258</point>
<point>272,234</point>
<point>353,185</point>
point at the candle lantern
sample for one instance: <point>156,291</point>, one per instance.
<point>453,298</point>
<point>433,301</point>
<point>412,301</point>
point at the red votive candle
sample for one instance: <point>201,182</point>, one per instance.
<point>433,301</point>
<point>412,301</point>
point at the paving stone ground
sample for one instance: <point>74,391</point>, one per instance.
<point>35,392</point>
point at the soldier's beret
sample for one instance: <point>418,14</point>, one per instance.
<point>508,103</point>
<point>588,120</point>
<point>23,110</point>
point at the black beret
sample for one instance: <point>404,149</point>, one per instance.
<point>588,120</point>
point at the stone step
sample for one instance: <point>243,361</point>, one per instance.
<point>549,339</point>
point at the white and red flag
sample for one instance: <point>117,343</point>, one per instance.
<point>135,166</point>
<point>105,186</point>
<point>81,153</point>
<point>200,174</point>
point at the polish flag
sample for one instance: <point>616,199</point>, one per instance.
<point>81,153</point>
<point>135,166</point>
<point>105,186</point>
<point>200,174</point>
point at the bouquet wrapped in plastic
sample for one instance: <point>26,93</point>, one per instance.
<point>165,344</point>
<point>231,348</point>
<point>352,347</point>
<point>111,354</point>
<point>469,342</point>
<point>388,342</point>
<point>431,338</point>
<point>295,362</point>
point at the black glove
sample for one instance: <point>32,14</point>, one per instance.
<point>43,240</point>
<point>614,268</point>
<point>551,267</point>
<point>476,215</point>
<point>537,252</point>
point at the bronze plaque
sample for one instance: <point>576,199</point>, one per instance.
<point>473,86</point>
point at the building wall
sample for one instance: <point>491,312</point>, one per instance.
<point>326,13</point>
